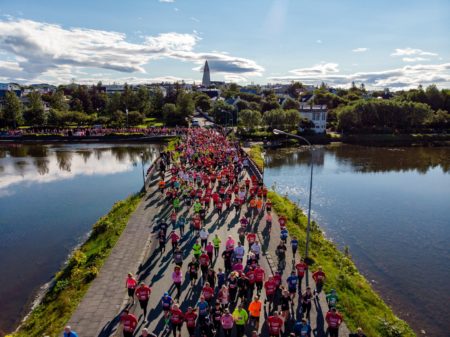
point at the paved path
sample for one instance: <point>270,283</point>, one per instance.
<point>97,313</point>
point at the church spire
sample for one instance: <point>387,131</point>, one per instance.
<point>206,81</point>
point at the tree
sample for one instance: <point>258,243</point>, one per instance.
<point>35,113</point>
<point>275,118</point>
<point>289,103</point>
<point>170,114</point>
<point>118,118</point>
<point>242,105</point>
<point>203,102</point>
<point>270,103</point>
<point>434,97</point>
<point>12,110</point>
<point>222,112</point>
<point>292,119</point>
<point>135,118</point>
<point>58,101</point>
<point>157,102</point>
<point>113,104</point>
<point>185,106</point>
<point>144,104</point>
<point>294,88</point>
<point>250,119</point>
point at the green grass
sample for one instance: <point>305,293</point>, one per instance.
<point>256,156</point>
<point>72,282</point>
<point>359,303</point>
<point>151,121</point>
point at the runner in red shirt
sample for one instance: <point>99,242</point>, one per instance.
<point>275,324</point>
<point>177,319</point>
<point>259,278</point>
<point>301,269</point>
<point>143,294</point>
<point>204,264</point>
<point>318,277</point>
<point>270,286</point>
<point>334,320</point>
<point>208,292</point>
<point>129,323</point>
<point>190,317</point>
<point>282,221</point>
<point>174,239</point>
<point>251,238</point>
<point>251,279</point>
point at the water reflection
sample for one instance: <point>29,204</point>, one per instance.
<point>26,164</point>
<point>392,208</point>
<point>367,159</point>
<point>50,195</point>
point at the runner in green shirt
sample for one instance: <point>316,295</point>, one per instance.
<point>332,299</point>
<point>197,249</point>
<point>240,317</point>
<point>216,242</point>
<point>176,204</point>
<point>197,207</point>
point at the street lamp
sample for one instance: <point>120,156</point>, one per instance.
<point>143,174</point>
<point>308,228</point>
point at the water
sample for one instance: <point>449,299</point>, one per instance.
<point>392,208</point>
<point>50,196</point>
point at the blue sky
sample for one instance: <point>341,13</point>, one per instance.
<point>396,44</point>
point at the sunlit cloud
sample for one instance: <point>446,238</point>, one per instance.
<point>411,51</point>
<point>399,78</point>
<point>360,50</point>
<point>43,49</point>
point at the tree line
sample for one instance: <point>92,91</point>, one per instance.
<point>84,105</point>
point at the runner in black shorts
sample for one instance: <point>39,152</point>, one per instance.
<point>193,271</point>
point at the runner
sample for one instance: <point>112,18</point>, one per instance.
<point>227,322</point>
<point>193,267</point>
<point>177,278</point>
<point>130,285</point>
<point>270,287</point>
<point>176,318</point>
<point>302,328</point>
<point>203,310</point>
<point>306,302</point>
<point>216,242</point>
<point>254,310</point>
<point>275,324</point>
<point>240,317</point>
<point>332,299</point>
<point>334,320</point>
<point>166,302</point>
<point>129,323</point>
<point>143,294</point>
<point>301,267</point>
<point>204,236</point>
<point>190,317</point>
<point>319,278</point>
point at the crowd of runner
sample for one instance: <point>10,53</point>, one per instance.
<point>95,131</point>
<point>206,175</point>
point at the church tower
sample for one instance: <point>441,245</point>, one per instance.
<point>206,81</point>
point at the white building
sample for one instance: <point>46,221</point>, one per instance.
<point>316,114</point>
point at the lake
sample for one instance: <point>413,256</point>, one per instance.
<point>391,207</point>
<point>50,196</point>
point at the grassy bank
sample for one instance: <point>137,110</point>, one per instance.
<point>359,303</point>
<point>256,155</point>
<point>72,282</point>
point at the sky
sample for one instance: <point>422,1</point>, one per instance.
<point>397,43</point>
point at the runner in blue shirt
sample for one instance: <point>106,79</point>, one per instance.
<point>166,302</point>
<point>181,223</point>
<point>203,310</point>
<point>302,328</point>
<point>294,246</point>
<point>292,282</point>
<point>284,234</point>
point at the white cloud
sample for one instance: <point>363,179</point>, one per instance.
<point>235,79</point>
<point>360,50</point>
<point>414,59</point>
<point>399,78</point>
<point>319,41</point>
<point>318,69</point>
<point>411,51</point>
<point>167,1</point>
<point>43,49</point>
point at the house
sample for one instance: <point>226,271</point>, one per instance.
<point>5,87</point>
<point>316,114</point>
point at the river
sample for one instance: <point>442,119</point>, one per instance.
<point>391,207</point>
<point>50,196</point>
